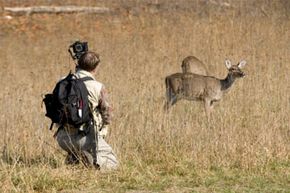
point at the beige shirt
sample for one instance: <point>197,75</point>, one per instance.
<point>97,97</point>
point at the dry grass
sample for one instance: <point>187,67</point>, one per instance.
<point>248,142</point>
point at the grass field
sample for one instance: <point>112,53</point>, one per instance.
<point>244,149</point>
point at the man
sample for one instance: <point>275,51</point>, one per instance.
<point>79,144</point>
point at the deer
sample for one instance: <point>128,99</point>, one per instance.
<point>193,65</point>
<point>196,87</point>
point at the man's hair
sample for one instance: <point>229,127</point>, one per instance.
<point>89,61</point>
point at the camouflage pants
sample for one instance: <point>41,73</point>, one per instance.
<point>78,144</point>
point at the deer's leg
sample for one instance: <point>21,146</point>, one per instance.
<point>171,98</point>
<point>166,105</point>
<point>208,105</point>
<point>168,98</point>
<point>170,101</point>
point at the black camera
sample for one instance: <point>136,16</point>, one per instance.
<point>78,48</point>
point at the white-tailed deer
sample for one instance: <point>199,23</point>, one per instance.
<point>190,86</point>
<point>193,65</point>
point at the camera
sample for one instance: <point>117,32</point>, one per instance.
<point>77,49</point>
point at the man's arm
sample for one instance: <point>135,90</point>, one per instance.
<point>104,107</point>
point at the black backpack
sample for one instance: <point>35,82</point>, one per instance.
<point>68,103</point>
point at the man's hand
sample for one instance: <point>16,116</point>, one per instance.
<point>104,131</point>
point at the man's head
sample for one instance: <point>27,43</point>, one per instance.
<point>89,61</point>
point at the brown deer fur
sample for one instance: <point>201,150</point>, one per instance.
<point>193,65</point>
<point>209,89</point>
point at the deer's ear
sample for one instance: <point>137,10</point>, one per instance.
<point>228,64</point>
<point>242,64</point>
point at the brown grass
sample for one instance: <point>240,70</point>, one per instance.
<point>250,129</point>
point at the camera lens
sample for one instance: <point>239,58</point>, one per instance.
<point>78,48</point>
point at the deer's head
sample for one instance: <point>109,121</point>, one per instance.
<point>236,70</point>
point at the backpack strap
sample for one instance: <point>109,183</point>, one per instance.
<point>86,78</point>
<point>94,148</point>
<point>51,125</point>
<point>95,142</point>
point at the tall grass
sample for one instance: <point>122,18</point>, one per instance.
<point>250,126</point>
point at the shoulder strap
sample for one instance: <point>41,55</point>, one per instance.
<point>92,127</point>
<point>86,78</point>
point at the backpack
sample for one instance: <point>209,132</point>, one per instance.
<point>68,103</point>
